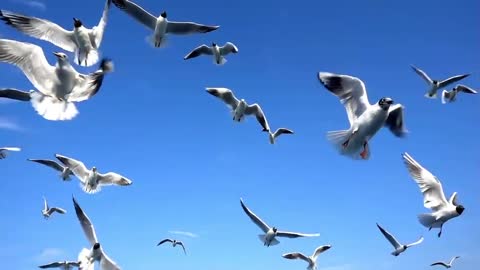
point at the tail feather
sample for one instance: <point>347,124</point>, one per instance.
<point>86,60</point>
<point>427,220</point>
<point>163,43</point>
<point>431,96</point>
<point>338,138</point>
<point>223,60</point>
<point>84,260</point>
<point>51,108</point>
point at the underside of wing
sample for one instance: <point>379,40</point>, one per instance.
<point>260,223</point>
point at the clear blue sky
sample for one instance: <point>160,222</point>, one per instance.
<point>153,122</point>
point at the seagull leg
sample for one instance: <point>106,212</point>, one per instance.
<point>440,232</point>
<point>364,153</point>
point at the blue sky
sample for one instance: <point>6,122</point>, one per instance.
<point>153,122</point>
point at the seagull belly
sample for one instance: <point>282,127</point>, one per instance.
<point>82,39</point>
<point>239,112</point>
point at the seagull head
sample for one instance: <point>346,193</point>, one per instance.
<point>77,23</point>
<point>94,169</point>
<point>60,56</point>
<point>274,229</point>
<point>460,209</point>
<point>164,14</point>
<point>385,103</point>
<point>213,44</point>
<point>96,246</point>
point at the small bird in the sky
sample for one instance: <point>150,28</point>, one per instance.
<point>399,248</point>
<point>451,96</point>
<point>65,265</point>
<point>240,108</point>
<point>446,265</point>
<point>278,132</point>
<point>47,211</point>
<point>365,119</point>
<point>65,172</point>
<point>311,260</point>
<point>174,243</point>
<point>160,25</point>
<point>435,84</point>
<point>218,52</point>
<point>433,196</point>
<point>268,239</point>
<point>4,151</point>
<point>83,41</point>
<point>91,180</point>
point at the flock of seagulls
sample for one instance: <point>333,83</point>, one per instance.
<point>59,86</point>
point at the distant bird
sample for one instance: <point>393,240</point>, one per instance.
<point>83,41</point>
<point>446,265</point>
<point>91,180</point>
<point>216,51</point>
<point>160,26</point>
<point>5,150</point>
<point>399,248</point>
<point>365,119</point>
<point>240,108</point>
<point>65,265</point>
<point>434,84</point>
<point>47,211</point>
<point>174,243</point>
<point>450,96</point>
<point>268,238</point>
<point>311,260</point>
<point>88,257</point>
<point>59,86</point>
<point>433,196</point>
<point>278,132</point>
<point>65,172</point>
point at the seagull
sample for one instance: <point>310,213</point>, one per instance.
<point>65,172</point>
<point>268,238</point>
<point>433,196</point>
<point>47,211</point>
<point>446,265</point>
<point>450,96</point>
<point>240,108</point>
<point>217,52</point>
<point>365,119</point>
<point>91,180</point>
<point>174,243</point>
<point>58,86</point>
<point>83,41</point>
<point>65,265</point>
<point>88,257</point>
<point>160,26</point>
<point>399,248</point>
<point>312,260</point>
<point>278,132</point>
<point>434,84</point>
<point>5,150</point>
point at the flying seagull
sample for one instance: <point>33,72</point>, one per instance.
<point>174,243</point>
<point>446,265</point>
<point>365,119</point>
<point>91,180</point>
<point>160,26</point>
<point>450,96</point>
<point>216,51</point>
<point>83,41</point>
<point>59,86</point>
<point>65,172</point>
<point>268,238</point>
<point>5,150</point>
<point>435,84</point>
<point>433,196</point>
<point>88,257</point>
<point>65,265</point>
<point>311,260</point>
<point>399,248</point>
<point>47,211</point>
<point>240,108</point>
<point>278,132</point>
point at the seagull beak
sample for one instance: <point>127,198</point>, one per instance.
<point>390,101</point>
<point>56,54</point>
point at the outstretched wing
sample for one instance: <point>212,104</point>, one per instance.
<point>77,167</point>
<point>465,89</point>
<point>49,163</point>
<point>112,178</point>
<point>257,111</point>
<point>202,49</point>
<point>86,224</point>
<point>422,74</point>
<point>295,234</point>
<point>295,255</point>
<point>108,264</point>
<point>226,95</point>
<point>183,247</point>
<point>440,263</point>
<point>185,28</point>
<point>451,80</point>
<point>260,223</point>
<point>164,241</point>
<point>16,94</point>
<point>320,250</point>
<point>137,12</point>
<point>52,265</point>
<point>96,35</point>
<point>416,243</point>
<point>228,48</point>
<point>453,259</point>
<point>58,210</point>
<point>389,237</point>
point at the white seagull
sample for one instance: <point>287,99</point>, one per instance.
<point>450,96</point>
<point>65,265</point>
<point>311,260</point>
<point>59,86</point>
<point>446,265</point>
<point>47,211</point>
<point>91,180</point>
<point>160,26</point>
<point>365,119</point>
<point>268,239</point>
<point>433,196</point>
<point>174,243</point>
<point>278,132</point>
<point>240,108</point>
<point>88,257</point>
<point>435,84</point>
<point>216,51</point>
<point>5,150</point>
<point>399,248</point>
<point>83,41</point>
<point>65,172</point>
